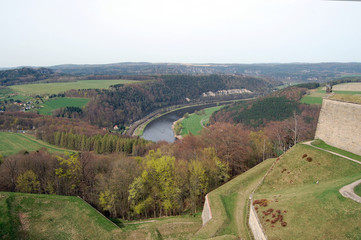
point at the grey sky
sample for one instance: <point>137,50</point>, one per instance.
<point>50,32</point>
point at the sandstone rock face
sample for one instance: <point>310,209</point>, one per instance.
<point>339,125</point>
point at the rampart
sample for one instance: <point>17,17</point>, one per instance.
<point>339,125</point>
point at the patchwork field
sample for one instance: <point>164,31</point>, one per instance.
<point>33,216</point>
<point>345,90</point>
<point>194,122</point>
<point>54,88</point>
<point>303,200</point>
<point>57,103</point>
<point>12,143</point>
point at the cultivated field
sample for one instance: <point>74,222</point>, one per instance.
<point>12,143</point>
<point>303,192</point>
<point>344,91</point>
<point>57,103</point>
<point>54,88</point>
<point>194,122</point>
<point>33,216</point>
<point>347,87</point>
<point>229,205</point>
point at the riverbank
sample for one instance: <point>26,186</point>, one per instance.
<point>177,136</point>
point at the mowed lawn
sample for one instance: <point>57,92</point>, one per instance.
<point>306,194</point>
<point>194,122</point>
<point>12,143</point>
<point>57,103</point>
<point>54,88</point>
<point>35,216</point>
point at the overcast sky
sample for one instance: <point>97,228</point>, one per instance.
<point>50,32</point>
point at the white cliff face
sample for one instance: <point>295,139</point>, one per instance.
<point>226,92</point>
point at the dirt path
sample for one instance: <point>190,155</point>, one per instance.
<point>348,190</point>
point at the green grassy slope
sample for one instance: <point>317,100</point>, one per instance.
<point>54,88</point>
<point>321,144</point>
<point>193,123</point>
<point>229,205</point>
<point>12,143</point>
<point>357,190</point>
<point>33,216</point>
<point>311,209</point>
<point>57,103</point>
<point>175,227</point>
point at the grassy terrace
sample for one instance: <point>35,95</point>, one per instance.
<point>175,227</point>
<point>12,143</point>
<point>321,144</point>
<point>229,205</point>
<point>194,122</point>
<point>57,103</point>
<point>34,216</point>
<point>59,87</point>
<point>306,194</point>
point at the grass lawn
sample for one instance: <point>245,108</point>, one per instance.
<point>12,143</point>
<point>306,195</point>
<point>35,216</point>
<point>229,205</point>
<point>357,190</point>
<point>321,144</point>
<point>57,103</point>
<point>54,88</point>
<point>194,122</point>
<point>175,227</point>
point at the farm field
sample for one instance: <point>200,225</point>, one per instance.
<point>304,194</point>
<point>194,122</point>
<point>57,103</point>
<point>35,216</point>
<point>229,205</point>
<point>12,143</point>
<point>54,88</point>
<point>315,95</point>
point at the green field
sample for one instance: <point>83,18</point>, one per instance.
<point>321,144</point>
<point>57,103</point>
<point>315,96</point>
<point>35,216</point>
<point>12,143</point>
<point>229,205</point>
<point>306,193</point>
<point>194,122</point>
<point>59,87</point>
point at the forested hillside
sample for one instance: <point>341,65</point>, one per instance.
<point>124,104</point>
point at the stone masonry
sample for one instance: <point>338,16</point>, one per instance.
<point>339,125</point>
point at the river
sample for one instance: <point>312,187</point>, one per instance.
<point>160,129</point>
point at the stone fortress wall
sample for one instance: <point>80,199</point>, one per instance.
<point>339,125</point>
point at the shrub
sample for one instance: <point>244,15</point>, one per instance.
<point>309,159</point>
<point>304,155</point>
